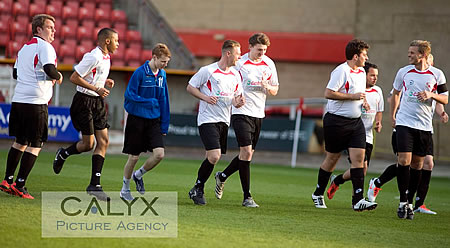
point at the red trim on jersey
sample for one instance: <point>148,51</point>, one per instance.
<point>36,60</point>
<point>371,90</point>
<point>420,72</point>
<point>93,72</point>
<point>404,85</point>
<point>32,41</point>
<point>356,72</point>
<point>237,85</point>
<point>224,73</point>
<point>249,62</point>
<point>434,88</point>
<point>208,84</point>
<point>106,57</point>
<point>347,86</point>
<point>270,77</point>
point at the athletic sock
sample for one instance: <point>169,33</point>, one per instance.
<point>322,181</point>
<point>414,179</point>
<point>244,174</point>
<point>26,164</point>
<point>230,170</point>
<point>126,184</point>
<point>339,179</point>
<point>403,182</point>
<point>422,190</point>
<point>357,177</point>
<point>388,174</point>
<point>203,174</point>
<point>97,165</point>
<point>14,156</point>
<point>139,173</point>
<point>71,150</point>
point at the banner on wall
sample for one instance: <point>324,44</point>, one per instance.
<point>60,126</point>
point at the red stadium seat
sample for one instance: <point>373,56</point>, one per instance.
<point>133,36</point>
<point>70,12</point>
<point>146,55</point>
<point>135,45</point>
<point>119,16</point>
<point>88,43</point>
<point>12,49</point>
<point>4,33</point>
<point>68,32</point>
<point>102,15</point>
<point>36,9</point>
<point>85,14</point>
<point>6,6</point>
<point>40,2</point>
<point>132,56</point>
<point>105,7</point>
<point>103,1</point>
<point>81,50</point>
<point>58,25</point>
<point>84,33</point>
<point>55,9</point>
<point>88,23</point>
<point>95,32</point>
<point>71,42</point>
<point>117,58</point>
<point>121,29</point>
<point>90,5</point>
<point>19,9</point>
<point>56,44</point>
<point>67,53</point>
<point>18,31</point>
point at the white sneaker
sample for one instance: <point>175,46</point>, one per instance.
<point>363,205</point>
<point>126,195</point>
<point>250,203</point>
<point>424,210</point>
<point>219,186</point>
<point>373,190</point>
<point>319,201</point>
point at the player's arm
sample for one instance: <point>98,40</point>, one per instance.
<point>378,118</point>
<point>439,97</point>
<point>78,80</point>
<point>441,112</point>
<point>271,89</point>
<point>164,107</point>
<point>334,95</point>
<point>199,95</point>
<point>395,99</point>
<point>53,73</point>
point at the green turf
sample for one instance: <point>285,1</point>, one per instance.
<point>286,218</point>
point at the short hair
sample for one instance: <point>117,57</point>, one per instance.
<point>229,44</point>
<point>105,33</point>
<point>355,46</point>
<point>368,65</point>
<point>39,21</point>
<point>259,38</point>
<point>423,45</point>
<point>161,49</point>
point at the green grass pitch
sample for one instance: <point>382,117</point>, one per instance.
<point>286,218</point>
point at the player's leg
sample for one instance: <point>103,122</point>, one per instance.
<point>125,192</point>
<point>98,159</point>
<point>326,168</point>
<point>424,183</point>
<point>149,164</point>
<point>14,156</point>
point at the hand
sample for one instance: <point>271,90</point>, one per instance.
<point>239,100</point>
<point>359,96</point>
<point>103,92</point>
<point>211,99</point>
<point>378,126</point>
<point>366,105</point>
<point>393,122</point>
<point>109,83</point>
<point>265,84</point>
<point>424,95</point>
<point>60,79</point>
<point>444,117</point>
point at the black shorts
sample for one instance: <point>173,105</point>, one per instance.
<point>214,136</point>
<point>418,142</point>
<point>341,133</point>
<point>142,135</point>
<point>367,155</point>
<point>88,113</point>
<point>394,142</point>
<point>247,129</point>
<point>29,123</point>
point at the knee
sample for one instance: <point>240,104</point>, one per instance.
<point>133,158</point>
<point>246,154</point>
<point>103,142</point>
<point>214,158</point>
<point>158,155</point>
<point>86,146</point>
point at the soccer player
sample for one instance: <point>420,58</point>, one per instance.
<point>343,127</point>
<point>35,72</point>
<point>391,171</point>
<point>259,77</point>
<point>218,87</point>
<point>88,110</point>
<point>374,97</point>
<point>420,84</point>
<point>147,105</point>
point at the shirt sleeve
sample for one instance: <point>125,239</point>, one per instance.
<point>337,80</point>
<point>86,64</point>
<point>199,78</point>
<point>274,78</point>
<point>165,108</point>
<point>381,103</point>
<point>47,54</point>
<point>398,81</point>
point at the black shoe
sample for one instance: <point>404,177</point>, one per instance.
<point>98,192</point>
<point>401,212</point>
<point>409,212</point>
<point>197,195</point>
<point>59,161</point>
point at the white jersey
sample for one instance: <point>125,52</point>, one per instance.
<point>94,68</point>
<point>412,112</point>
<point>346,80</point>
<point>33,84</point>
<point>374,97</point>
<point>252,75</point>
<point>212,81</point>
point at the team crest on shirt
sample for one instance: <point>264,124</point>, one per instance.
<point>411,82</point>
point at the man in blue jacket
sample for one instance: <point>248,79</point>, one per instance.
<point>147,105</point>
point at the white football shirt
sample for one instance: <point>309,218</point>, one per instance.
<point>252,75</point>
<point>33,84</point>
<point>94,68</point>
<point>412,112</point>
<point>346,80</point>
<point>374,97</point>
<point>212,81</point>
